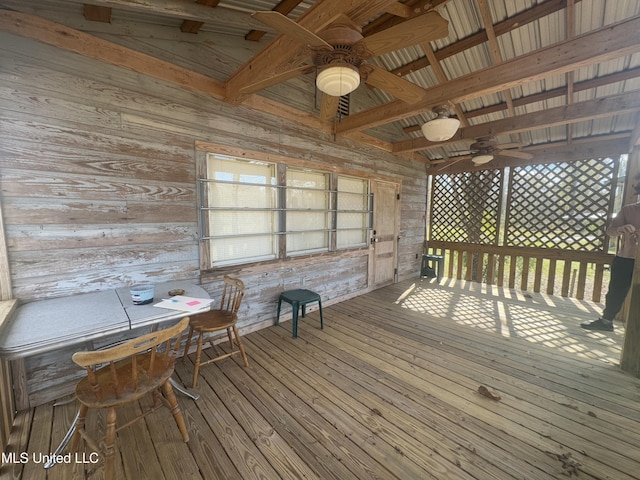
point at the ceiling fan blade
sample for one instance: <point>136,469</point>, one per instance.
<point>453,161</point>
<point>516,154</point>
<point>394,85</point>
<point>505,146</point>
<point>273,80</point>
<point>328,107</point>
<point>286,26</point>
<point>416,30</point>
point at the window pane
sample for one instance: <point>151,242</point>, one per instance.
<point>241,206</point>
<point>307,211</point>
<point>352,215</point>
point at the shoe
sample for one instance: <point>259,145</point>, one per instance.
<point>599,324</point>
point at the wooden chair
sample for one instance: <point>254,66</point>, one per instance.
<point>123,374</point>
<point>225,318</point>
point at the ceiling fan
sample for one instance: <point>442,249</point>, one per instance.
<point>485,149</point>
<point>338,52</point>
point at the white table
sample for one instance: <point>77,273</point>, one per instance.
<point>48,325</point>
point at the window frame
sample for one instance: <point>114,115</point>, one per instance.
<point>282,165</point>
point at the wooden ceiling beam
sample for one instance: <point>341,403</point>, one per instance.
<point>548,94</point>
<point>183,9</point>
<point>610,42</point>
<point>192,26</point>
<point>592,147</point>
<point>577,112</point>
<point>392,17</point>
<point>494,48</point>
<point>95,13</point>
<point>570,28</point>
<point>508,25</point>
<point>66,38</point>
<point>442,78</point>
<point>401,10</point>
<point>365,11</point>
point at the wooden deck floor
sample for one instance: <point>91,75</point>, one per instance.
<point>390,390</point>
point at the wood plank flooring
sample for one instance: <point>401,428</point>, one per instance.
<point>389,390</point>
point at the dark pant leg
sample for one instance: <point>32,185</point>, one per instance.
<point>619,284</point>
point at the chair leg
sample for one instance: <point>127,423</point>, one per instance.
<point>82,413</point>
<point>320,310</point>
<point>240,346</point>
<point>230,338</point>
<point>196,366</point>
<point>175,410</point>
<point>294,320</point>
<point>278,312</point>
<point>186,347</point>
<point>109,441</point>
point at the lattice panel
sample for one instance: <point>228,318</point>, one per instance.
<point>560,205</point>
<point>466,207</point>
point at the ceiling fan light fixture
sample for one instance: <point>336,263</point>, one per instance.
<point>440,128</point>
<point>338,80</point>
<point>482,159</point>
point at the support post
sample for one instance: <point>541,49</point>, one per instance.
<point>630,356</point>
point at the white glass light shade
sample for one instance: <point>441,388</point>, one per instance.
<point>440,129</point>
<point>482,159</point>
<point>338,80</point>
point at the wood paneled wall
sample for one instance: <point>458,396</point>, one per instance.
<point>98,185</point>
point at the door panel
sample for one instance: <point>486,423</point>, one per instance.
<point>384,245</point>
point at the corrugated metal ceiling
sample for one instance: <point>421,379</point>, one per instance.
<point>465,20</point>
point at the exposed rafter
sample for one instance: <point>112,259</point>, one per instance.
<point>524,18</point>
<point>593,147</point>
<point>600,45</point>
<point>578,112</point>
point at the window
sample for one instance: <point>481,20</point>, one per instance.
<point>307,208</point>
<point>247,215</point>
<point>241,212</point>
<point>353,212</point>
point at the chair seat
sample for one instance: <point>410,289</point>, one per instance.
<point>127,392</point>
<point>427,271</point>
<point>213,320</point>
<point>301,296</point>
<point>222,320</point>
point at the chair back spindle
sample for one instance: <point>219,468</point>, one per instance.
<point>232,295</point>
<point>133,365</point>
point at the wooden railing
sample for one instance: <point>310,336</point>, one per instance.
<point>555,272</point>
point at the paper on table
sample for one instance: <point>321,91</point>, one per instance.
<point>187,304</point>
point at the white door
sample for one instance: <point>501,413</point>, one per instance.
<point>384,239</point>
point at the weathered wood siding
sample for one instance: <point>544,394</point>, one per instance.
<point>98,185</point>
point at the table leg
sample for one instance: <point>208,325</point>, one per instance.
<point>180,388</point>
<point>63,444</point>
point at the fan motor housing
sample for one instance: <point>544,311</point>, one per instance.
<point>484,144</point>
<point>339,34</point>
